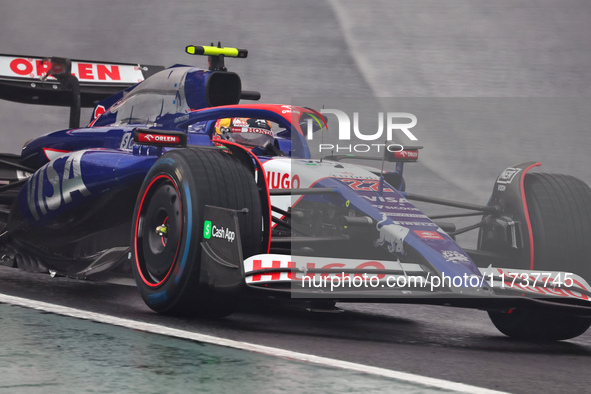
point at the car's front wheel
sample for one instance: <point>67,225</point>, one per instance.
<point>533,325</point>
<point>167,227</point>
<point>560,212</point>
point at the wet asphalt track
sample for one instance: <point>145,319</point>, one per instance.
<point>357,49</point>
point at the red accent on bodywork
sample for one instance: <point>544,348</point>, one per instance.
<point>258,265</point>
<point>266,186</point>
<point>429,234</point>
<point>526,212</point>
<point>45,150</point>
<point>156,139</point>
<point>407,155</point>
<point>98,111</point>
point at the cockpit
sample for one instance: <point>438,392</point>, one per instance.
<point>264,131</point>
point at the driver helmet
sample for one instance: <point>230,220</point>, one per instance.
<point>224,128</point>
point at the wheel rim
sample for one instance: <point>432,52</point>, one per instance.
<point>158,231</point>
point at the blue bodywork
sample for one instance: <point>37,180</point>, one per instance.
<point>101,169</point>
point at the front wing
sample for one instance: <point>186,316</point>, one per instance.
<point>355,280</point>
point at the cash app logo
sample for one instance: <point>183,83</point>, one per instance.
<point>207,229</point>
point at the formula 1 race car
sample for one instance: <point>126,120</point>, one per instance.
<point>206,201</point>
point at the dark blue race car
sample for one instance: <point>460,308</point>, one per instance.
<point>206,201</point>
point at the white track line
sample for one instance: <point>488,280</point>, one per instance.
<point>270,351</point>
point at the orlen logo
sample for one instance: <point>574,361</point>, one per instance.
<point>156,138</point>
<point>288,109</point>
<point>429,234</point>
<point>344,124</point>
<point>84,71</point>
<point>407,154</point>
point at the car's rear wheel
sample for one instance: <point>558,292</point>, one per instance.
<point>560,212</point>
<point>167,228</point>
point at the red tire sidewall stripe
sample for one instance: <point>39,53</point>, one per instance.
<point>137,225</point>
<point>527,218</point>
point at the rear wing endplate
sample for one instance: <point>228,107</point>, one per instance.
<point>65,82</point>
<point>27,79</point>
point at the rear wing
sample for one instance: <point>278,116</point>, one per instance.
<point>65,82</point>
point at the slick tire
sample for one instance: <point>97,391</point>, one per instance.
<point>538,326</point>
<point>560,214</point>
<point>167,228</point>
